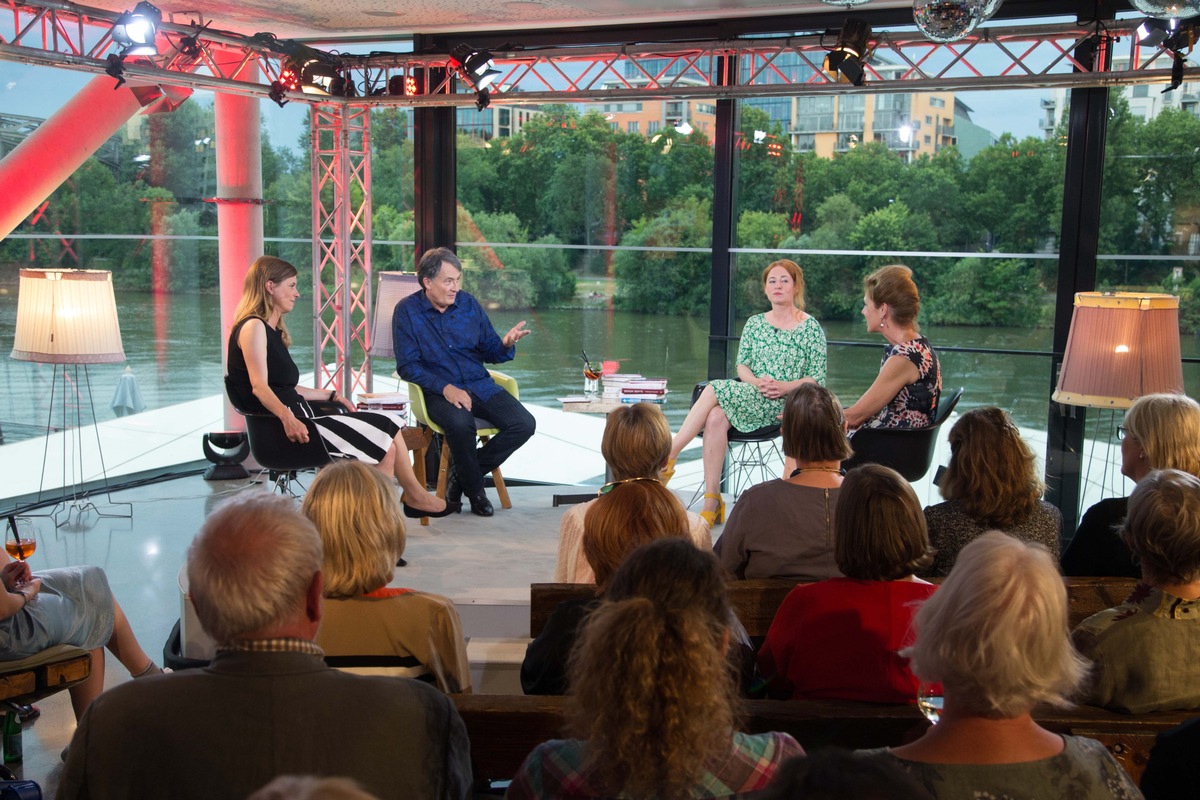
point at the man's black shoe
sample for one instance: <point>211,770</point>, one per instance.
<point>481,506</point>
<point>453,489</point>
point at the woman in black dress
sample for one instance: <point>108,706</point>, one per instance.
<point>263,379</point>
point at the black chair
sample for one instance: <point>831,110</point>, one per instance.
<point>909,451</point>
<point>751,454</point>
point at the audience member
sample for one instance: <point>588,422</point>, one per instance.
<point>369,627</point>
<point>1145,649</point>
<point>308,787</point>
<point>636,442</point>
<point>1160,431</point>
<point>784,528</point>
<point>652,701</point>
<point>905,393</point>
<point>991,483</point>
<point>67,606</point>
<point>995,636</point>
<point>627,514</point>
<point>840,638</point>
<point>267,704</point>
<point>1173,771</point>
<point>834,774</point>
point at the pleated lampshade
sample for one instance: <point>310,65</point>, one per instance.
<point>1121,346</point>
<point>67,317</point>
<point>393,287</point>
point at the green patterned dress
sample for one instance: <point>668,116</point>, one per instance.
<point>783,355</point>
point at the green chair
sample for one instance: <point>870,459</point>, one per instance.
<point>483,429</point>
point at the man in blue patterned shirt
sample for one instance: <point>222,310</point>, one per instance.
<point>442,338</point>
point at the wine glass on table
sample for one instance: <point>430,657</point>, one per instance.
<point>592,370</point>
<point>19,546</point>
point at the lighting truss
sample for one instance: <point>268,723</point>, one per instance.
<point>52,33</point>
<point>341,172</point>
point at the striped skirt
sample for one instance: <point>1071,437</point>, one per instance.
<point>362,435</point>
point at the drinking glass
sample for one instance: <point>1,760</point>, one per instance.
<point>591,378</point>
<point>20,544</point>
<point>929,700</point>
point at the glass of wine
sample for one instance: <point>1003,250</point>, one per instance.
<point>20,544</point>
<point>591,378</point>
<point>929,700</point>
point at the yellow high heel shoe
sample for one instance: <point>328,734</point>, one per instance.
<point>717,514</point>
<point>668,472</point>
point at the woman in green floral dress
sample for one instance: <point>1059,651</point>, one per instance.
<point>779,350</point>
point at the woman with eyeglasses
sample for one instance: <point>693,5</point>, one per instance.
<point>1160,431</point>
<point>636,443</point>
<point>991,483</point>
<point>632,512</point>
<point>784,528</point>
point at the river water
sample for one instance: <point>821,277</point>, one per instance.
<point>173,345</point>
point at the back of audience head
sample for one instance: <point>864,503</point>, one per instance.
<point>357,513</point>
<point>628,515</point>
<point>995,632</point>
<point>1167,426</point>
<point>992,472</point>
<point>1162,527</point>
<point>835,774</point>
<point>637,441</point>
<point>651,689</point>
<point>813,427</point>
<point>309,787</point>
<point>251,566</point>
<point>879,530</point>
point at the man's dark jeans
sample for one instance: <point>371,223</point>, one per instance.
<point>471,464</point>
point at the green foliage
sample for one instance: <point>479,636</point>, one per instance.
<point>757,229</point>
<point>670,282</point>
<point>987,292</point>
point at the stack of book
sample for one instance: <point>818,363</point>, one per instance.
<point>390,401</point>
<point>635,389</point>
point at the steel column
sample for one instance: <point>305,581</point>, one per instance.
<point>435,177</point>
<point>724,230</point>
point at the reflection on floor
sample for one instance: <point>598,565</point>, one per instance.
<point>485,566</point>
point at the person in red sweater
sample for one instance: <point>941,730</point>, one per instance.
<point>841,637</point>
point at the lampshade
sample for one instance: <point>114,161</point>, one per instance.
<point>393,287</point>
<point>67,317</point>
<point>1121,346</point>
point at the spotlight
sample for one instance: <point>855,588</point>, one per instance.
<point>475,66</point>
<point>116,69</point>
<point>135,30</point>
<point>1153,32</point>
<point>289,76</point>
<point>277,93</point>
<point>317,77</point>
<point>845,62</point>
<point>482,99</point>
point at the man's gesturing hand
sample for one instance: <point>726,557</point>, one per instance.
<point>516,334</point>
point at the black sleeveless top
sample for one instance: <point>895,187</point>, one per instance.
<point>282,373</point>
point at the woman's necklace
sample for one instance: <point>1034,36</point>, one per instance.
<point>802,470</point>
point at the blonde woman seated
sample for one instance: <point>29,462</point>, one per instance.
<point>1160,431</point>
<point>1146,649</point>
<point>991,483</point>
<point>840,638</point>
<point>653,704</point>
<point>636,443</point>
<point>784,528</point>
<point>369,627</point>
<point>995,636</point>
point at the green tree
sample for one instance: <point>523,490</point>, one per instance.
<point>1013,191</point>
<point>989,292</point>
<point>1168,175</point>
<point>671,282</point>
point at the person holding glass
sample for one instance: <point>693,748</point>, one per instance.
<point>780,349</point>
<point>262,379</point>
<point>995,635</point>
<point>906,392</point>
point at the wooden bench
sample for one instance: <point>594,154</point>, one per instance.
<point>52,670</point>
<point>756,601</point>
<point>504,729</point>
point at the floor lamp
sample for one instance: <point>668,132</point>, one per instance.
<point>1122,345</point>
<point>69,317</point>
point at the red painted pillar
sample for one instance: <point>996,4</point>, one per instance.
<point>60,145</point>
<point>239,192</point>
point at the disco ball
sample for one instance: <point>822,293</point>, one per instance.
<point>1168,9</point>
<point>988,7</point>
<point>946,20</point>
<point>845,3</point>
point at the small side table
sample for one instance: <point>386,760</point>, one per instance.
<point>604,407</point>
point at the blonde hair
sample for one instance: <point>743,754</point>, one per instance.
<point>894,286</point>
<point>1162,527</point>
<point>637,441</point>
<point>797,274</point>
<point>992,471</point>
<point>256,300</point>
<point>813,426</point>
<point>310,787</point>
<point>251,565</point>
<point>1167,426</point>
<point>651,689</point>
<point>629,515</point>
<point>879,530</point>
<point>356,510</point>
<point>995,632</point>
